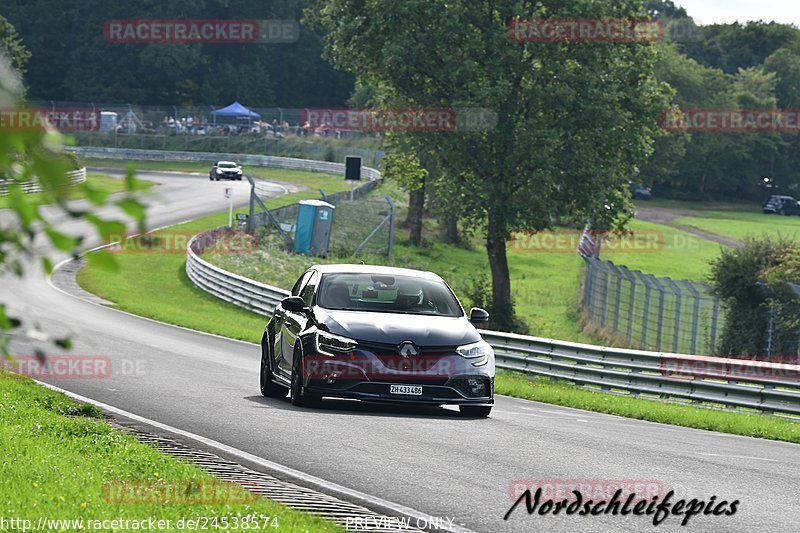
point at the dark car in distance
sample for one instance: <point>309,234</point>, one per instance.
<point>781,205</point>
<point>640,192</point>
<point>378,334</point>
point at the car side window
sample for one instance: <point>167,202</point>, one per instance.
<point>307,292</point>
<point>300,283</point>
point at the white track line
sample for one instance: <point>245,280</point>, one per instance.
<point>308,479</point>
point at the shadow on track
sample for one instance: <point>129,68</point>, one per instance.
<point>364,408</point>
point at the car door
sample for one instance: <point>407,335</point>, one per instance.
<point>293,323</point>
<point>279,319</point>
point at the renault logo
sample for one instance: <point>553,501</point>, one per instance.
<point>407,349</point>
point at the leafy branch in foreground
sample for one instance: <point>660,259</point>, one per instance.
<point>35,155</point>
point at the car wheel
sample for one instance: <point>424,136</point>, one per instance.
<point>783,212</point>
<point>268,387</point>
<point>481,411</point>
<point>300,398</point>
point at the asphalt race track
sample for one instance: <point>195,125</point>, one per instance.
<point>429,459</point>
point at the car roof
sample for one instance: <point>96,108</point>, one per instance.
<point>226,163</point>
<point>373,269</point>
<point>782,197</point>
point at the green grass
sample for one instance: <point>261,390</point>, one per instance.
<point>313,180</point>
<point>100,182</point>
<point>60,456</point>
<point>673,253</point>
<point>561,393</point>
<point>700,206</point>
<point>740,225</point>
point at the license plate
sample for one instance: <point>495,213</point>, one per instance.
<point>412,390</point>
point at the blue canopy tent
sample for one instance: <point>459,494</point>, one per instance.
<point>236,111</point>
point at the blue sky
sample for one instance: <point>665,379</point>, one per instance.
<point>725,11</point>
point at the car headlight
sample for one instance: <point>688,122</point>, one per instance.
<point>479,351</point>
<point>333,345</point>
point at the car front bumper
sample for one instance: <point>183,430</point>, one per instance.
<point>379,391</point>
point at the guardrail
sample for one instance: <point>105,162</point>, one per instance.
<point>210,157</point>
<point>74,176</point>
<point>770,388</point>
<point>238,290</point>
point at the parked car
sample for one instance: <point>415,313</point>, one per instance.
<point>227,170</point>
<point>640,192</point>
<point>781,205</point>
<point>377,334</point>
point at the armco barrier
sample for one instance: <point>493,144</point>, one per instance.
<point>210,157</point>
<point>75,176</point>
<point>733,383</point>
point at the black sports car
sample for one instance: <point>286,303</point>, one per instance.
<point>378,334</point>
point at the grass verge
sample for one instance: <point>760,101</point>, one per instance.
<point>561,393</point>
<point>740,225</point>
<point>63,458</point>
<point>99,182</point>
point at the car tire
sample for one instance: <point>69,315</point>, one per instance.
<point>477,411</point>
<point>269,388</point>
<point>300,397</point>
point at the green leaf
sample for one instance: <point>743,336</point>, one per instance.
<point>93,194</point>
<point>47,264</point>
<point>134,208</point>
<point>63,242</point>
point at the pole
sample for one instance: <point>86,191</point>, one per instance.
<point>230,210</point>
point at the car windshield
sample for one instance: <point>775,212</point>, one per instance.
<point>226,165</point>
<point>387,294</point>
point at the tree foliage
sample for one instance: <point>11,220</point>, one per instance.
<point>574,120</point>
<point>753,282</point>
<point>73,61</point>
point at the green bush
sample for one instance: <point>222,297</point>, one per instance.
<point>752,281</point>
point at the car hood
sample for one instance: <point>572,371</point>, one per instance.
<point>391,328</point>
<point>226,169</point>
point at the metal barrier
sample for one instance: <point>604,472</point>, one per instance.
<point>75,176</point>
<point>732,383</point>
<point>238,290</point>
<point>367,173</point>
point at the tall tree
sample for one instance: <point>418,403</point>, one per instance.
<point>574,119</point>
<point>12,47</point>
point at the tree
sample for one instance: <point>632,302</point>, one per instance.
<point>574,119</point>
<point>12,47</point>
<point>752,282</point>
<point>75,63</point>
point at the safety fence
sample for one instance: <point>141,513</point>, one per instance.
<point>655,313</point>
<point>75,176</point>
<point>770,388</point>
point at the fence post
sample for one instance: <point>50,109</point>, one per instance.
<point>646,316</point>
<point>391,226</point>
<point>695,315</point>
<point>660,325</point>
<point>631,302</point>
<point>714,319</point>
<point>604,298</point>
<point>677,331</point>
<point>617,295</point>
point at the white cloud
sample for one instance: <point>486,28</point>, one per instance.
<point>725,11</point>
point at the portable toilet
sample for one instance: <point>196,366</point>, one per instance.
<point>312,233</point>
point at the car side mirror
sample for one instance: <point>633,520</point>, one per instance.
<point>478,315</point>
<point>294,304</point>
